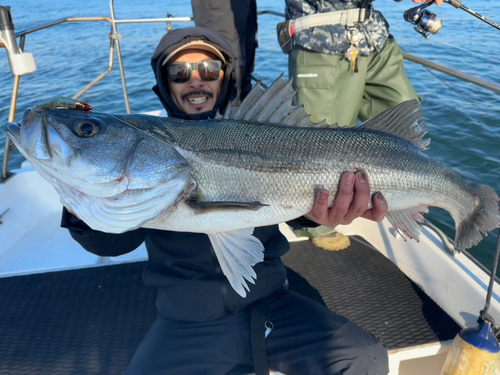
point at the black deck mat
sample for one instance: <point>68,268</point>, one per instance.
<point>90,321</point>
<point>367,288</point>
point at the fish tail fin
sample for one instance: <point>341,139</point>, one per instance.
<point>484,218</point>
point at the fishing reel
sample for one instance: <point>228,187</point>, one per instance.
<point>426,22</point>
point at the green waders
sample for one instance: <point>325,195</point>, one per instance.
<point>330,91</point>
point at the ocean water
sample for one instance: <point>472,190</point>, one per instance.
<point>463,120</point>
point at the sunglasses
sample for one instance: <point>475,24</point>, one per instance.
<point>207,70</point>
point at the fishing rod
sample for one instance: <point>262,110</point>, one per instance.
<point>427,23</point>
<point>458,4</point>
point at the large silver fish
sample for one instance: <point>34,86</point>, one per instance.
<point>259,164</point>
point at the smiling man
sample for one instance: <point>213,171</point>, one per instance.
<point>203,325</point>
<point>195,78</point>
<point>194,70</point>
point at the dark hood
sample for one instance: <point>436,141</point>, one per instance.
<point>174,40</point>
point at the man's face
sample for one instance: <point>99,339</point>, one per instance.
<point>195,95</point>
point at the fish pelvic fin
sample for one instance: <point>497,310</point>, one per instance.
<point>401,121</point>
<point>405,221</point>
<point>237,252</point>
<point>484,218</point>
<point>271,106</point>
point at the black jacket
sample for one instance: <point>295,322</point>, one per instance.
<point>184,268</point>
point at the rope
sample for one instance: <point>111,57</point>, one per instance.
<point>481,56</point>
<point>454,90</point>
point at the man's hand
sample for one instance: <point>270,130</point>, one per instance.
<point>345,209</point>
<point>438,2</point>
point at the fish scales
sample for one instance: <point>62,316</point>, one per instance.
<point>232,165</point>
<point>327,153</point>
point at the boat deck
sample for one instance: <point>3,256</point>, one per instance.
<point>90,321</point>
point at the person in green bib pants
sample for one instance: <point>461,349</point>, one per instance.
<point>330,92</point>
<point>346,67</point>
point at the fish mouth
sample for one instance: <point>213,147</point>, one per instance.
<point>29,135</point>
<point>13,131</point>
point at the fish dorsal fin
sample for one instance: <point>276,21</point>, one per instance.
<point>271,106</point>
<point>401,121</point>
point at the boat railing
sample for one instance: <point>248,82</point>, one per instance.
<point>115,37</point>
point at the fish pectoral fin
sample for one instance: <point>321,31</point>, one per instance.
<point>405,221</point>
<point>224,205</point>
<point>237,252</point>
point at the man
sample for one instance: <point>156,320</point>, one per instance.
<point>346,66</point>
<point>196,98</point>
<point>204,326</point>
<point>347,59</point>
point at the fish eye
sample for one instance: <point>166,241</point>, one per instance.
<point>86,128</point>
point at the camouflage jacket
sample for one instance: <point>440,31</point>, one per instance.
<point>333,39</point>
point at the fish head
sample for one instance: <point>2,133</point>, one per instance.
<point>81,149</point>
<point>104,169</point>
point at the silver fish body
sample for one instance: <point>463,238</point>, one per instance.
<point>283,167</point>
<point>259,164</point>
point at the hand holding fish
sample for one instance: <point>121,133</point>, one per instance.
<point>345,209</point>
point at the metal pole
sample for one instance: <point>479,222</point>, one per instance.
<point>484,312</point>
<point>119,56</point>
<point>12,113</point>
<point>495,87</point>
<point>152,20</point>
<point>100,76</point>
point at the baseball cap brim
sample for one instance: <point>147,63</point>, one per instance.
<point>196,44</point>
